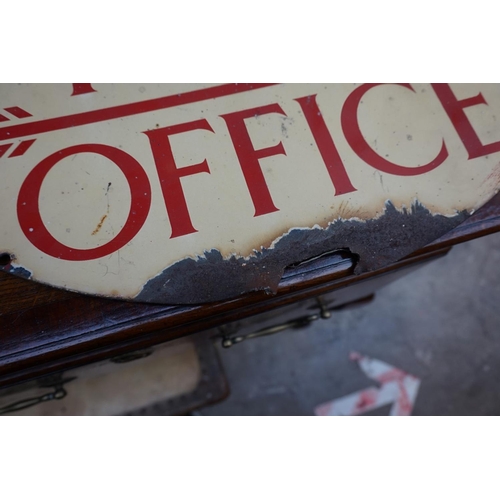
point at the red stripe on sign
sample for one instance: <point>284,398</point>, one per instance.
<point>100,115</point>
<point>18,112</point>
<point>4,148</point>
<point>3,118</point>
<point>22,148</point>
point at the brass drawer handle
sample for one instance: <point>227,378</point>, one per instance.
<point>324,313</point>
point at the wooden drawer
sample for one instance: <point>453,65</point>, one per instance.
<point>44,331</point>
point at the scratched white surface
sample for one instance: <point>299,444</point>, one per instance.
<point>409,127</point>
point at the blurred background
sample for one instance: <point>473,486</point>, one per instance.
<point>440,323</point>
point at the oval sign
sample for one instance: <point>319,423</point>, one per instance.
<point>177,193</point>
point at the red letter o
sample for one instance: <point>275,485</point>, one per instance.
<point>28,210</point>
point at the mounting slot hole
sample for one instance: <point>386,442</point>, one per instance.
<point>5,259</point>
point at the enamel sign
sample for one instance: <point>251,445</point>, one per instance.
<point>189,193</point>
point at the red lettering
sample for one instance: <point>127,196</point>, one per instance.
<point>170,175</point>
<point>82,88</point>
<point>28,209</point>
<point>249,157</point>
<point>455,110</point>
<point>326,146</point>
<point>352,132</point>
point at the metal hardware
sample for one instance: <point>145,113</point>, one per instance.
<point>324,312</point>
<point>59,392</point>
<point>132,356</point>
<point>297,323</point>
<point>229,341</point>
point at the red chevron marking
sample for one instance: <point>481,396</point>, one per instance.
<point>82,88</point>
<point>22,148</point>
<point>18,112</point>
<point>3,118</point>
<point>4,148</point>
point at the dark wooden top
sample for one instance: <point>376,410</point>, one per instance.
<point>43,330</point>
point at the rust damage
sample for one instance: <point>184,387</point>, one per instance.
<point>7,265</point>
<point>99,225</point>
<point>377,242</point>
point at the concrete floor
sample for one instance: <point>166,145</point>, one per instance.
<point>441,324</point>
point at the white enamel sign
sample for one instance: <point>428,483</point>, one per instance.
<point>175,193</point>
